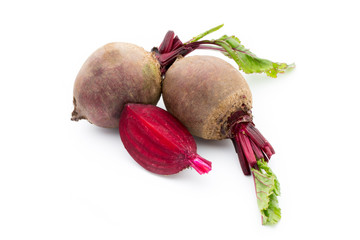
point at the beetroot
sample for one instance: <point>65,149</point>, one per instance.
<point>115,74</point>
<point>215,103</point>
<point>211,90</point>
<point>158,141</point>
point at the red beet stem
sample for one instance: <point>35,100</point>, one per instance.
<point>201,165</point>
<point>249,143</point>
<point>172,47</point>
<point>246,147</point>
<point>257,151</point>
<point>259,139</point>
<point>243,163</point>
<point>167,43</point>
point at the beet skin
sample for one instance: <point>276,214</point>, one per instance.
<point>115,74</point>
<point>203,92</point>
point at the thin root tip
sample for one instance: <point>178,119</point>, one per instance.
<point>201,165</point>
<point>75,116</point>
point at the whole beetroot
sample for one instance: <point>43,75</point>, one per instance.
<point>115,74</point>
<point>214,103</point>
<point>211,91</point>
<point>212,99</point>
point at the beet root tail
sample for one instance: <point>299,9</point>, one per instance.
<point>201,165</point>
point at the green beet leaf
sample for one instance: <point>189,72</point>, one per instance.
<point>248,61</point>
<point>267,189</point>
<point>244,58</point>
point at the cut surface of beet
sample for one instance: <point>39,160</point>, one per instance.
<point>158,141</point>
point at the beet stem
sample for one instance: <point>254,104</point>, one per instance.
<point>198,37</point>
<point>249,143</point>
<point>201,165</point>
<point>259,139</point>
<point>243,163</point>
<point>166,44</point>
<point>246,146</point>
<point>229,45</point>
<point>257,151</point>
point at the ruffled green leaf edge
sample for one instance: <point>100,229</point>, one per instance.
<point>248,61</point>
<point>267,190</point>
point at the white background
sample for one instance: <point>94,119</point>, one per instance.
<point>72,180</point>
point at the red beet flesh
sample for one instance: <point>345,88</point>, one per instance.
<point>158,141</point>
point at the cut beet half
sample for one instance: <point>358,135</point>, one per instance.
<point>158,141</point>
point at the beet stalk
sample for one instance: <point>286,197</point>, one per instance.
<point>254,150</point>
<point>172,47</point>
